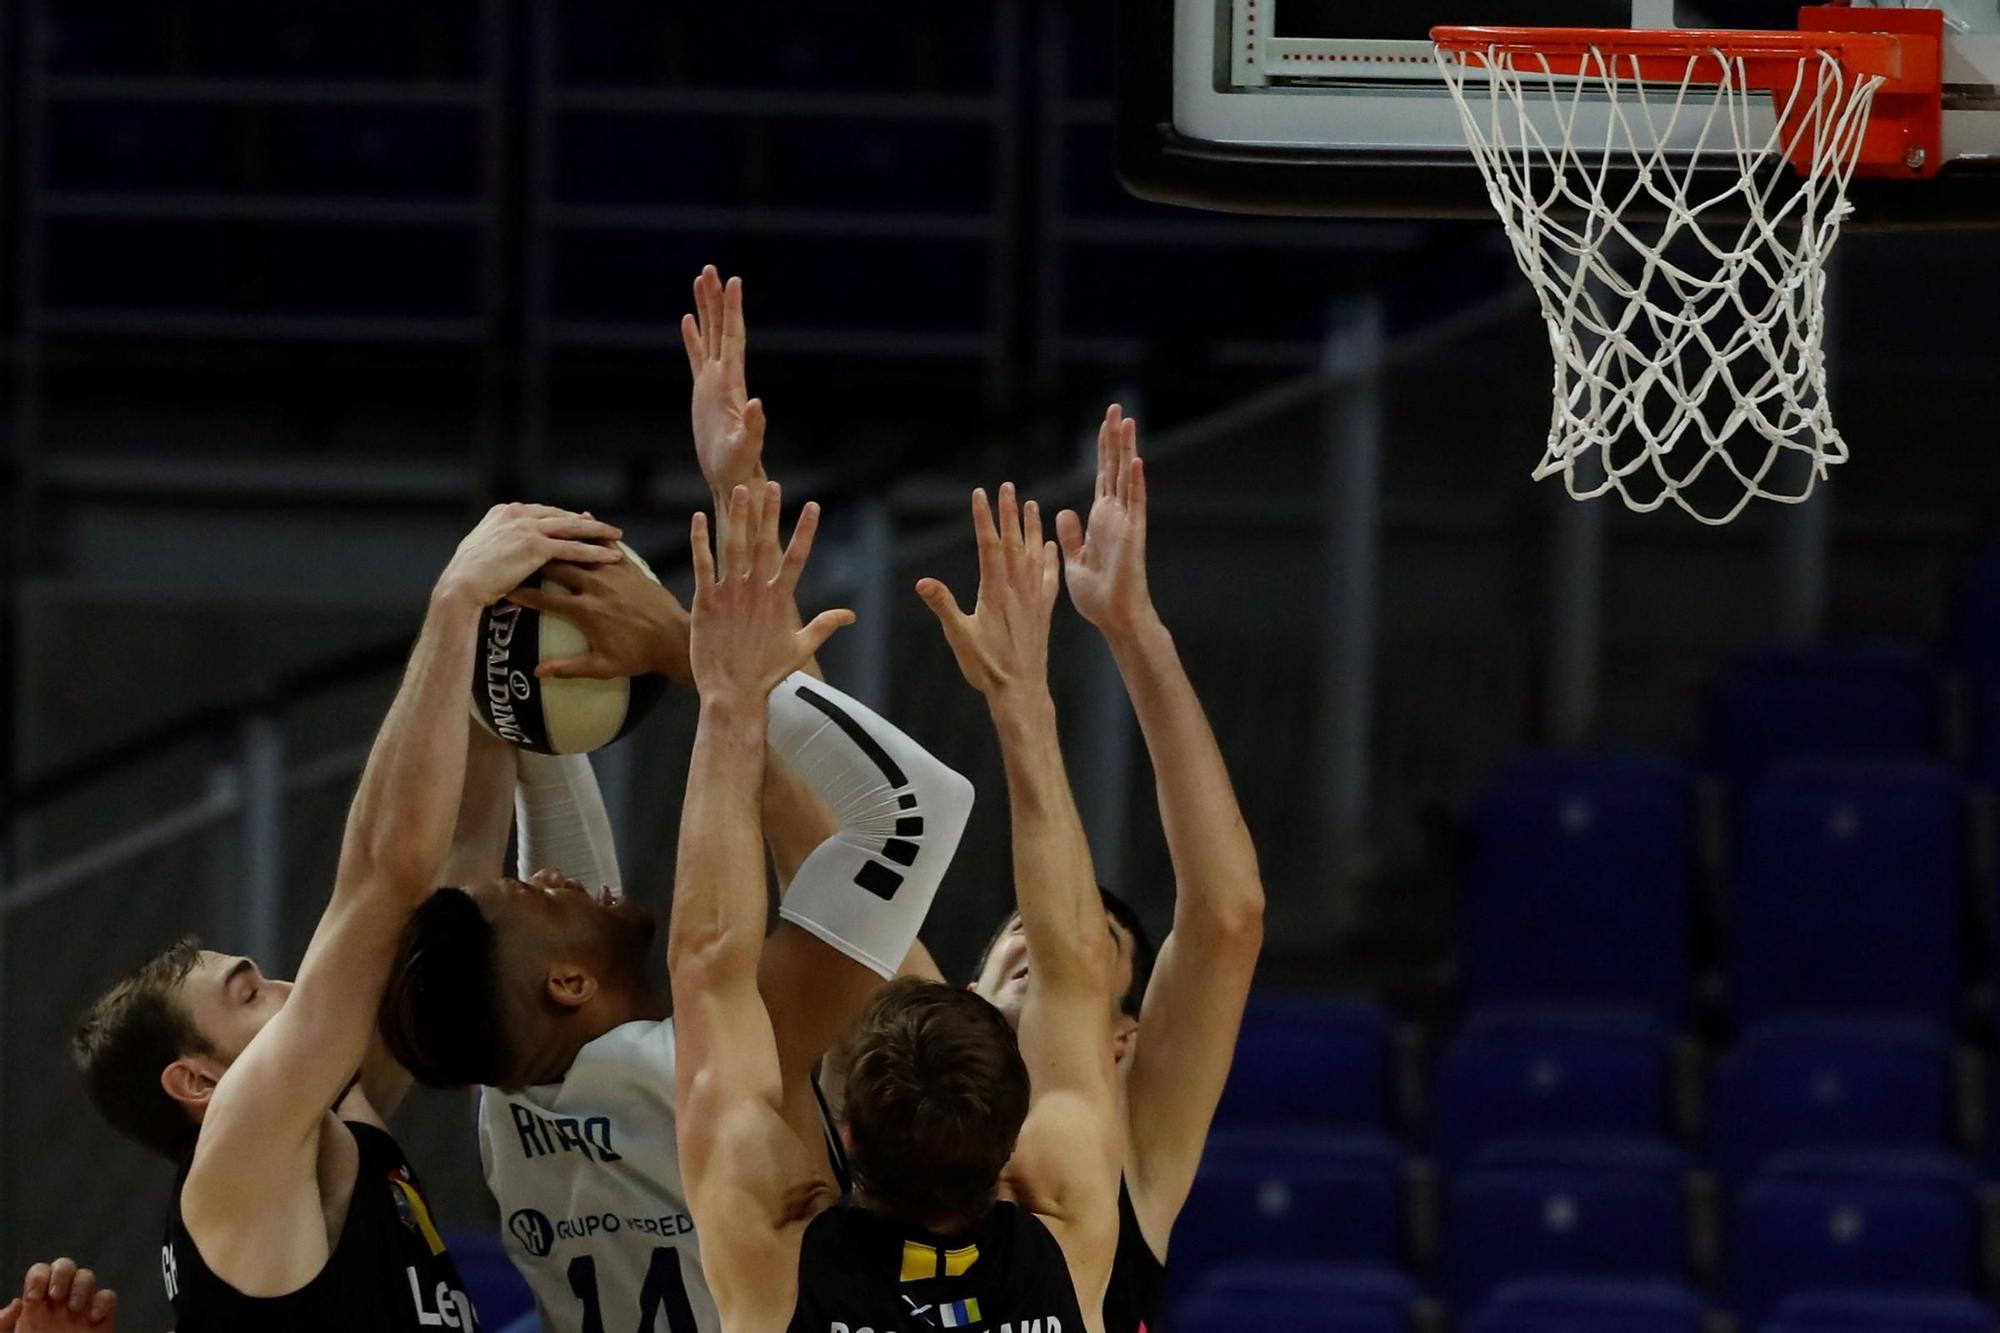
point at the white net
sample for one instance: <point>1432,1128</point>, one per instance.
<point>1692,348</point>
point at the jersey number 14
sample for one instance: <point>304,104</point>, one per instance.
<point>665,1291</point>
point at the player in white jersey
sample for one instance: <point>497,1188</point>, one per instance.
<point>536,987</point>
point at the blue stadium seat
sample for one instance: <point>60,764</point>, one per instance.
<point>1310,1061</point>
<point>1829,1083</point>
<point>1579,888</point>
<point>1849,891</point>
<point>1874,1312</point>
<point>1533,1074</point>
<point>1798,704</point>
<point>497,1289</point>
<point>1589,1305</point>
<point>1277,1195</point>
<point>1299,1295</point>
<point>1617,1214</point>
<point>1289,1313</point>
<point>1830,1221</point>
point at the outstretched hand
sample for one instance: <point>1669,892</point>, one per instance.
<point>1106,562</point>
<point>1004,644</point>
<point>515,540</point>
<point>744,639</point>
<point>60,1298</point>
<point>728,423</point>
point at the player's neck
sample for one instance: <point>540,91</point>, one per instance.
<point>614,1005</point>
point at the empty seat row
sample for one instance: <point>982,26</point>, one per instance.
<point>1314,1298</point>
<point>1848,893</point>
<point>1785,1085</point>
<point>1601,1210</point>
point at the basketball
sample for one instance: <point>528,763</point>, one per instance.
<point>551,716</point>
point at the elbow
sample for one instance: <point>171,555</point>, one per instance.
<point>1234,924</point>
<point>704,957</point>
<point>945,796</point>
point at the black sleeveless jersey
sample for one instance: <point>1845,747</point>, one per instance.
<point>1138,1279</point>
<point>388,1272</point>
<point>860,1270</point>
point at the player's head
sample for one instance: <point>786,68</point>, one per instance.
<point>153,1047</point>
<point>1003,969</point>
<point>936,1093</point>
<point>499,983</point>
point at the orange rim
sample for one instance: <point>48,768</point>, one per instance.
<point>1769,53</point>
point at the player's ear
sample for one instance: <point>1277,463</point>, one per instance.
<point>571,986</point>
<point>1124,1036</point>
<point>190,1080</point>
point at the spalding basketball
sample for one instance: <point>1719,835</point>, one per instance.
<point>551,716</point>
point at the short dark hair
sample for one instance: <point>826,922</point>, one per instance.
<point>441,1015</point>
<point>936,1093</point>
<point>128,1037</point>
<point>1144,951</point>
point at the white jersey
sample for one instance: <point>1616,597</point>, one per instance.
<point>588,1179</point>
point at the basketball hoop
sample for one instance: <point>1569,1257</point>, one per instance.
<point>1669,367</point>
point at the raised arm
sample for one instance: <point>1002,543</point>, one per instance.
<point>477,852</point>
<point>751,1182</point>
<point>1194,1004</point>
<point>1066,1164</point>
<point>251,1200</point>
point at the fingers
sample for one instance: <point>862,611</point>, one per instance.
<point>753,419</point>
<point>10,1315</point>
<point>985,535</point>
<point>560,578</point>
<point>1010,519</point>
<point>691,340</point>
<point>1135,491</point>
<point>1051,574</point>
<point>102,1308</point>
<point>1106,437</point>
<point>585,553</point>
<point>1128,449</point>
<point>800,549</point>
<point>704,557</point>
<point>82,1291</point>
<point>577,527</point>
<point>736,537</point>
<point>733,335</point>
<point>61,1274</point>
<point>584,666</point>
<point>536,599</point>
<point>767,559</point>
<point>1069,531</point>
<point>814,636</point>
<point>942,604</point>
<point>1031,525</point>
<point>708,300</point>
<point>36,1286</point>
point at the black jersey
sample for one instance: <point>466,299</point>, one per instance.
<point>860,1270</point>
<point>1138,1278</point>
<point>388,1273</point>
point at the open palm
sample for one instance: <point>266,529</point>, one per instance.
<point>728,423</point>
<point>1105,562</point>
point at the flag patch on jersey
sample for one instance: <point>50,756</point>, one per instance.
<point>410,1208</point>
<point>923,1262</point>
<point>958,1314</point>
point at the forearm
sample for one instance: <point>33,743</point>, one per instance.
<point>1055,884</point>
<point>400,825</point>
<point>485,811</point>
<point>1214,860</point>
<point>563,823</point>
<point>718,911</point>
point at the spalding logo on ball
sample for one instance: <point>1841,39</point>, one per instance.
<point>551,716</point>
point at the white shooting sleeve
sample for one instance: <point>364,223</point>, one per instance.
<point>563,825</point>
<point>866,890</point>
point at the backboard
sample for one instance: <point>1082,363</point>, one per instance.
<point>1333,108</point>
